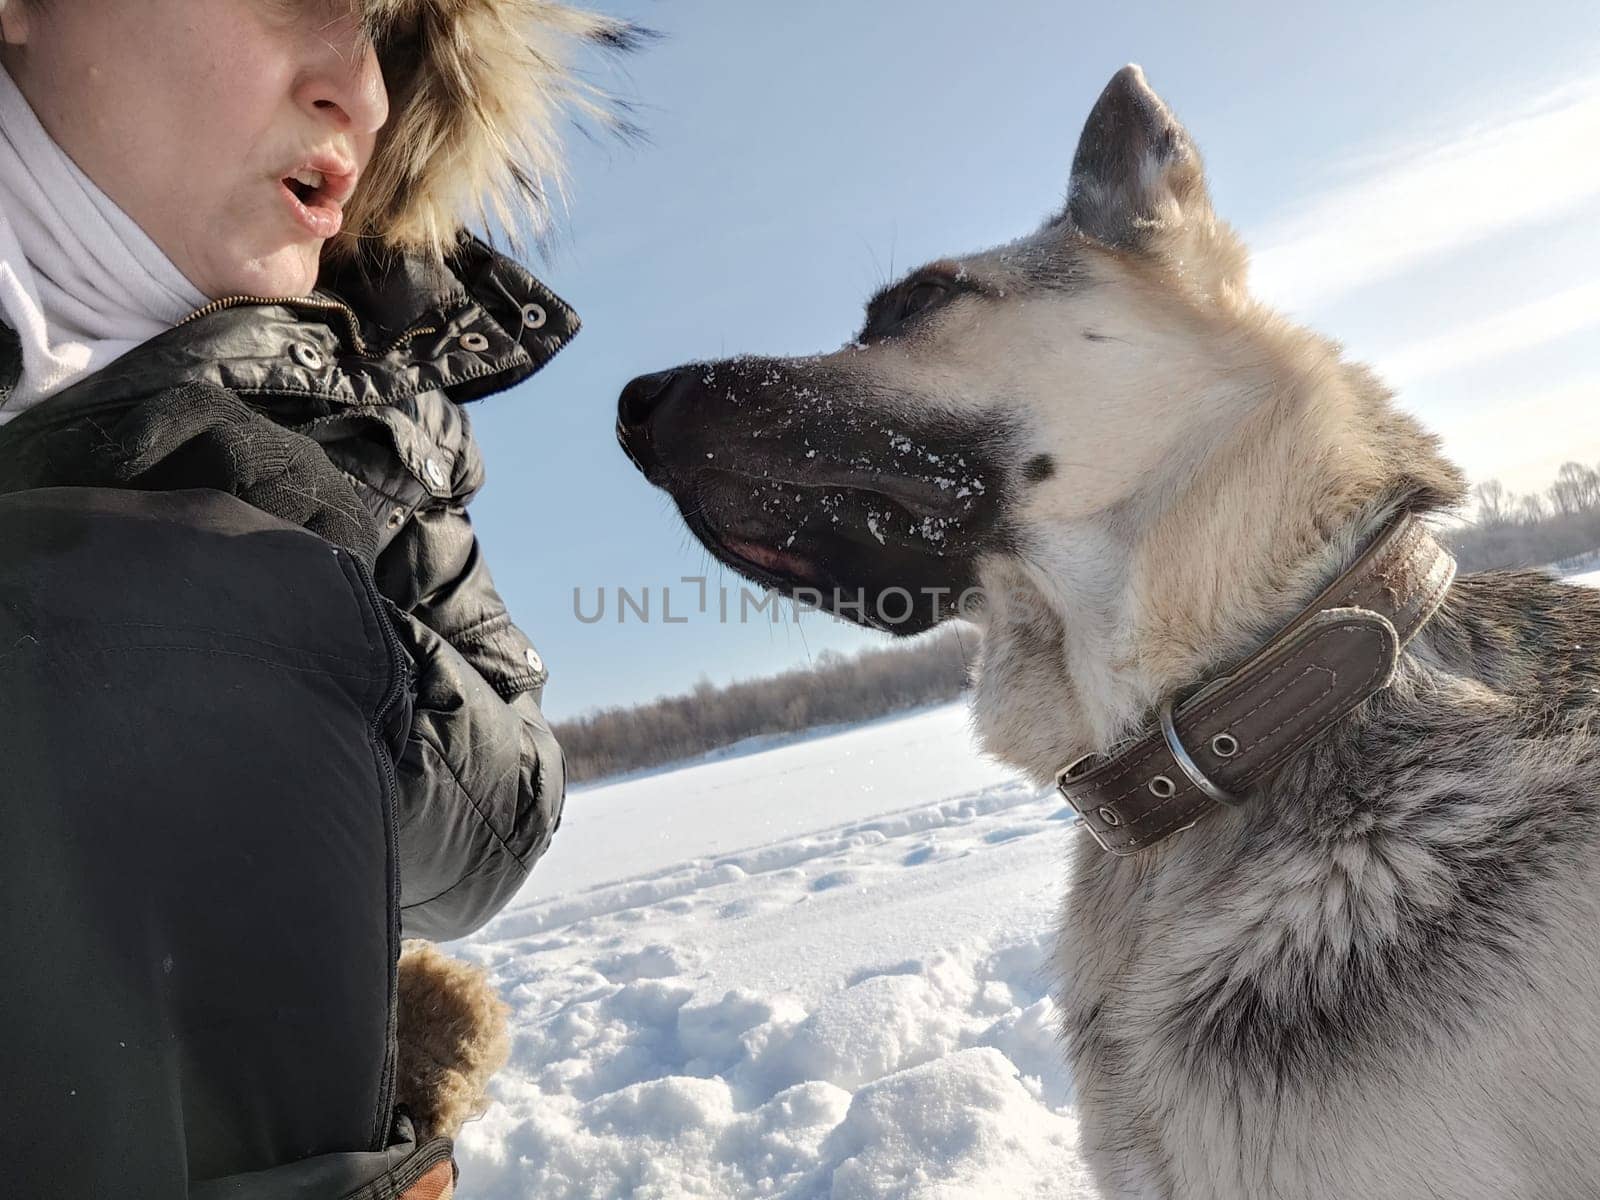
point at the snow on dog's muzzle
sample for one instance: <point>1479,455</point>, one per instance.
<point>802,478</point>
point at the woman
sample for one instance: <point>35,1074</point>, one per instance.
<point>265,711</point>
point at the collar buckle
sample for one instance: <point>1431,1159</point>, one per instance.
<point>1187,764</point>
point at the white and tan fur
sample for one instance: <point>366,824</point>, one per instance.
<point>1380,979</point>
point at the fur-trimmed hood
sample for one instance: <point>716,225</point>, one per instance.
<point>479,91</point>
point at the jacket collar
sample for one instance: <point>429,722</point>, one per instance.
<point>376,331</point>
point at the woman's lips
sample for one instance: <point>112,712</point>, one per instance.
<point>316,193</point>
<point>319,216</point>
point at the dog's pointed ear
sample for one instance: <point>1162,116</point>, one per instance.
<point>1138,183</point>
<point>1136,172</point>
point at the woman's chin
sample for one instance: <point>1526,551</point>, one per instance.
<point>279,273</point>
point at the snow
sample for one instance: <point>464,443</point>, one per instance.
<point>816,968</point>
<point>765,789</point>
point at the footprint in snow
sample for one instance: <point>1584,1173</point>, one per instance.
<point>655,961</point>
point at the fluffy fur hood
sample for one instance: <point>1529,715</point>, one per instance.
<point>479,91</point>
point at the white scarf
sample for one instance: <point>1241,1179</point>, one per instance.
<point>80,283</point>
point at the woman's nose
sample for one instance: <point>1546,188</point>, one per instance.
<point>348,89</point>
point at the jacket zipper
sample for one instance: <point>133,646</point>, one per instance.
<point>321,305</point>
<point>399,683</point>
<point>316,302</point>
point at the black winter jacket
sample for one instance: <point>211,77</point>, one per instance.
<point>236,761</point>
<point>197,824</point>
<point>375,368</point>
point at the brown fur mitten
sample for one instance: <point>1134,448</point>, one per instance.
<point>454,1036</point>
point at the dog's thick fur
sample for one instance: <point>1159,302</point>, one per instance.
<point>1380,978</point>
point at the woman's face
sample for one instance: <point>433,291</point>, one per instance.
<point>232,131</point>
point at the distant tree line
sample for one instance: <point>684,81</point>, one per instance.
<point>1534,528</point>
<point>835,689</point>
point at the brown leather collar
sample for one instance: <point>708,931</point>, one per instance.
<point>1233,732</point>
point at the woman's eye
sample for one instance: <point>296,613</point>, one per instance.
<point>923,296</point>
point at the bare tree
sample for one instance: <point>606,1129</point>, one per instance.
<point>1533,530</point>
<point>1575,489</point>
<point>1587,482</point>
<point>1492,503</point>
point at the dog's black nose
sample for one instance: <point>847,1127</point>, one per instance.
<point>641,398</point>
<point>640,401</point>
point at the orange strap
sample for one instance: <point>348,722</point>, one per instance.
<point>438,1184</point>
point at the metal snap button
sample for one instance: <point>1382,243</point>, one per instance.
<point>534,661</point>
<point>434,472</point>
<point>307,355</point>
<point>533,316</point>
<point>474,342</point>
<point>395,517</point>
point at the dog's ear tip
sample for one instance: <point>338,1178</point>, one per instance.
<point>1136,171</point>
<point>1129,92</point>
<point>1129,81</point>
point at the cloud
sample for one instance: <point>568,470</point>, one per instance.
<point>1523,441</point>
<point>1421,201</point>
<point>1506,332</point>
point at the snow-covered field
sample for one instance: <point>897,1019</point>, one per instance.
<point>813,969</point>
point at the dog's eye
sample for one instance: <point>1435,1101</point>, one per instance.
<point>923,296</point>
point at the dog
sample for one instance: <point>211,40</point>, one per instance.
<point>1376,972</point>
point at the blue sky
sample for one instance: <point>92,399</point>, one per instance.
<point>1419,180</point>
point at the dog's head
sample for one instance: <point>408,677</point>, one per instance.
<point>987,398</point>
